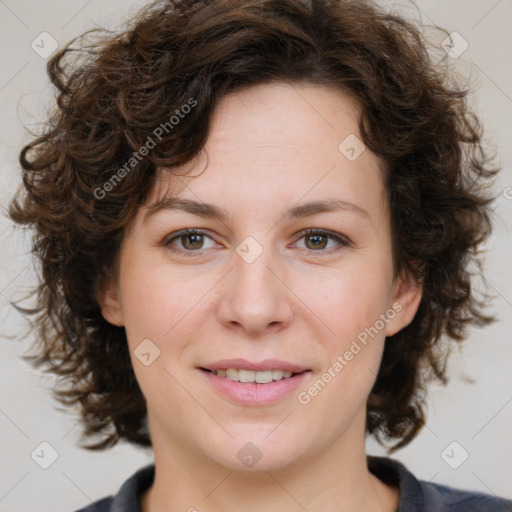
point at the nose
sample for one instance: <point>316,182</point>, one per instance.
<point>255,297</point>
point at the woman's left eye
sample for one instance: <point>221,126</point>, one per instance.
<point>192,241</point>
<point>318,237</point>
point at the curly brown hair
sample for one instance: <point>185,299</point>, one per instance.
<point>111,93</point>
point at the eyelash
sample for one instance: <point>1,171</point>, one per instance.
<point>309,232</point>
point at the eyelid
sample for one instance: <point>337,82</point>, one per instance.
<point>342,240</point>
<point>176,235</point>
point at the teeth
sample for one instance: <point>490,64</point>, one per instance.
<point>263,377</point>
<point>277,374</point>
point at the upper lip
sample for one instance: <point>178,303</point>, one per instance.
<point>243,364</point>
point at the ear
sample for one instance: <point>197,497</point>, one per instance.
<point>108,300</point>
<point>407,295</point>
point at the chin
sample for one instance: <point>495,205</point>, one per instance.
<point>259,452</point>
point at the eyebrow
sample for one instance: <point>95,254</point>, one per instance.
<point>208,210</point>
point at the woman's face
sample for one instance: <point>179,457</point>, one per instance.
<point>253,286</point>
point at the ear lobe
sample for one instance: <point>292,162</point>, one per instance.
<point>406,302</point>
<point>108,300</point>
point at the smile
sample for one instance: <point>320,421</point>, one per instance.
<point>248,391</point>
<point>259,377</point>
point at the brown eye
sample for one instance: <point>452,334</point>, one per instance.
<point>190,240</point>
<point>317,240</point>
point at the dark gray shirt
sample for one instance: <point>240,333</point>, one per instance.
<point>415,495</point>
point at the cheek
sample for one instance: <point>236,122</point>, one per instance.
<point>350,306</point>
<point>157,306</point>
<point>351,347</point>
<point>351,300</point>
<point>156,298</point>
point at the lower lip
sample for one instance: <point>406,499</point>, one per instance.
<point>253,394</point>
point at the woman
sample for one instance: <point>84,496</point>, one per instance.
<point>255,221</point>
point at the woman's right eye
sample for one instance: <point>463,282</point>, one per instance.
<point>191,239</point>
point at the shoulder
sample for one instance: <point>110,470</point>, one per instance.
<point>127,498</point>
<point>421,496</point>
<point>459,500</point>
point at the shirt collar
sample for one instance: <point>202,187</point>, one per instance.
<point>394,472</point>
<point>128,497</point>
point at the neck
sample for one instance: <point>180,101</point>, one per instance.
<point>335,478</point>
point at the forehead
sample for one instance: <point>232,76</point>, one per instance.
<point>278,143</point>
<point>279,118</point>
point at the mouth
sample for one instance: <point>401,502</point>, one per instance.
<point>254,388</point>
<point>253,376</point>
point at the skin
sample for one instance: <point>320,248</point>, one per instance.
<point>271,146</point>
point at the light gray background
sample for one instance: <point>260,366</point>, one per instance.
<point>476,415</point>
